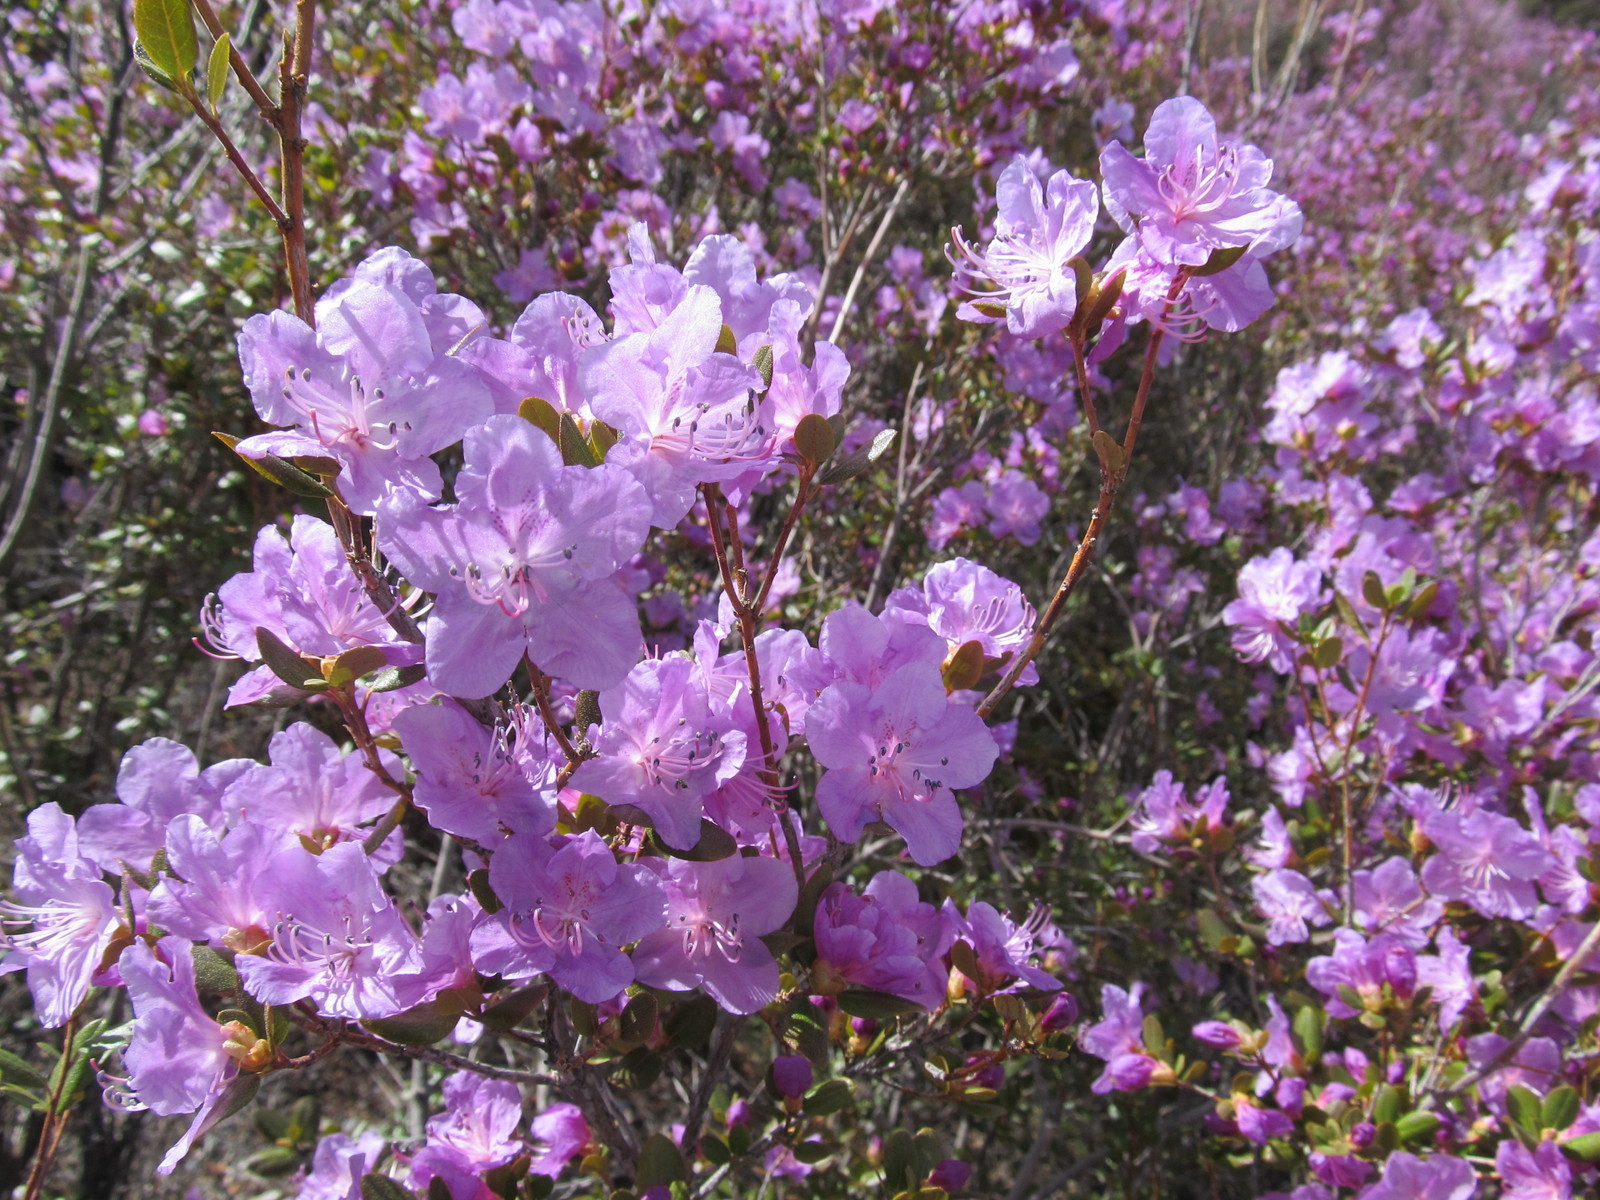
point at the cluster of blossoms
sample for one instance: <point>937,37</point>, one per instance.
<point>267,882</point>
<point>1421,854</point>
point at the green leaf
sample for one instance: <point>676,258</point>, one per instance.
<point>1524,1106</point>
<point>638,1019</point>
<point>814,1152</point>
<point>281,471</point>
<point>18,1071</point>
<point>1308,1028</point>
<point>165,29</point>
<point>1109,451</point>
<point>274,1161</point>
<point>727,343</point>
<point>1422,600</point>
<point>963,668</point>
<point>761,360</point>
<point>715,1149</point>
<point>639,1068</point>
<point>688,1026</point>
<point>1372,591</point>
<point>141,56</point>
<point>857,462</point>
<point>814,439</point>
<point>964,960</point>
<point>542,413</point>
<point>284,662</point>
<point>900,1161</point>
<point>660,1162</point>
<point>575,448</point>
<point>392,679</point>
<point>517,1007</point>
<point>878,1006</point>
<point>356,662</point>
<point>1348,614</point>
<point>1560,1109</point>
<point>1585,1148</point>
<point>715,844</point>
<point>217,71</point>
<point>1415,1126</point>
<point>381,1187</point>
<point>1221,259</point>
<point>1327,653</point>
<point>828,1097</point>
<point>1388,1104</point>
<point>212,972</point>
<point>421,1026</point>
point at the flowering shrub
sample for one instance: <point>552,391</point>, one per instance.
<point>713,745</point>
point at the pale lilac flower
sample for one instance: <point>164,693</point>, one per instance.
<point>1538,1174</point>
<point>474,782</point>
<point>476,1132</point>
<point>717,913</point>
<point>565,1135</point>
<point>338,1165</point>
<point>1486,859</point>
<point>312,788</point>
<point>1191,195</point>
<point>1449,975</point>
<point>304,593</point>
<point>885,939</point>
<point>1164,815</point>
<point>569,910</point>
<point>178,1054</point>
<point>522,563</point>
<point>964,602</point>
<point>157,781</point>
<point>1390,900</point>
<point>660,748</point>
<point>71,909</point>
<point>1024,273</point>
<point>222,887</point>
<point>687,413</point>
<point>374,385</point>
<point>1366,967</point>
<point>337,940</point>
<point>1273,592</point>
<point>1407,1177</point>
<point>895,753</point>
<point>1004,949</point>
<point>1118,1038</point>
<point>1290,902</point>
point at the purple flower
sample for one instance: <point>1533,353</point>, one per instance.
<point>522,563</point>
<point>1165,815</point>
<point>894,753</point>
<point>337,940</point>
<point>1538,1174</point>
<point>1016,505</point>
<point>479,1123</point>
<point>885,939</point>
<point>1449,975</point>
<point>565,1135</point>
<point>1488,860</point>
<point>374,385</point>
<point>660,749</point>
<point>1024,273</point>
<point>1407,1177</point>
<point>1273,592</point>
<point>1118,1038</point>
<point>72,910</point>
<point>474,782</point>
<point>1289,901</point>
<point>568,911</point>
<point>222,888</point>
<point>1257,1124</point>
<point>717,912</point>
<point>792,1075</point>
<point>1366,967</point>
<point>158,781</point>
<point>178,1055</point>
<point>686,412</point>
<point>304,593</point>
<point>963,602</point>
<point>312,789</point>
<point>1190,196</point>
<point>338,1165</point>
<point>1004,949</point>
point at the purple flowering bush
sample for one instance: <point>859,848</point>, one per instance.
<point>788,643</point>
